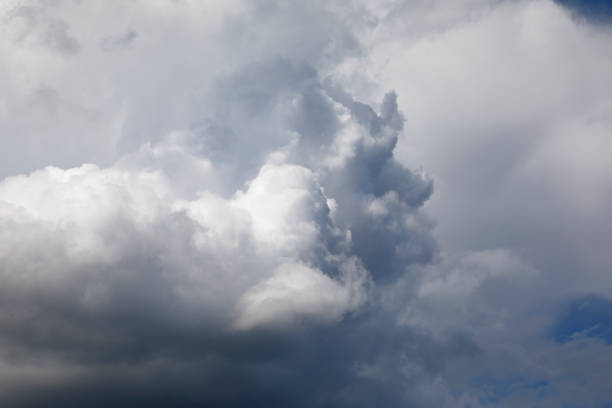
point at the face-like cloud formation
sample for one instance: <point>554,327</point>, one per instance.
<point>215,204</point>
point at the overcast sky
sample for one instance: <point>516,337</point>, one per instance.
<point>277,203</point>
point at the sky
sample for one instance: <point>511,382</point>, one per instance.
<point>278,203</point>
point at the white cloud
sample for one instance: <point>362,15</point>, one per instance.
<point>297,292</point>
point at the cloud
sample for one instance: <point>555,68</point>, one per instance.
<point>119,41</point>
<point>230,251</point>
<point>506,105</point>
<point>31,24</point>
<point>296,291</point>
<point>217,204</point>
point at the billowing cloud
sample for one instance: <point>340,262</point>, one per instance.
<point>230,250</point>
<point>507,106</point>
<point>221,204</point>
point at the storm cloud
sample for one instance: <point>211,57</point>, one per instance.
<point>310,204</point>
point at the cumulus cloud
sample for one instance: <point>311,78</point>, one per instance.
<point>247,239</point>
<point>506,111</point>
<point>221,204</point>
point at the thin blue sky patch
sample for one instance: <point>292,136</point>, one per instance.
<point>594,10</point>
<point>589,316</point>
